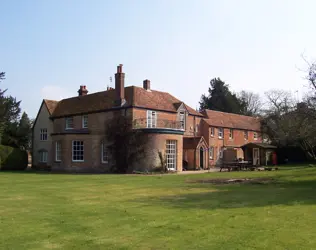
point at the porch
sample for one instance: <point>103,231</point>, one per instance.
<point>195,153</point>
<point>259,154</point>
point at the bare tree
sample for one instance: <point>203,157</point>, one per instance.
<point>278,101</point>
<point>288,124</point>
<point>251,102</point>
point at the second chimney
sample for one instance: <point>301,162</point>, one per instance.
<point>146,84</point>
<point>119,86</point>
<point>82,91</point>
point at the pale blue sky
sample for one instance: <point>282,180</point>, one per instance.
<point>49,48</point>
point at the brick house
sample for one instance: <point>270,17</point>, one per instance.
<point>70,134</point>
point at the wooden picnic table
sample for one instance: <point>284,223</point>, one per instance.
<point>237,165</point>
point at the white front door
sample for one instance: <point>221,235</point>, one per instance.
<point>256,156</point>
<point>171,154</point>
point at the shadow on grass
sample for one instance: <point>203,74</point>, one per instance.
<point>279,192</point>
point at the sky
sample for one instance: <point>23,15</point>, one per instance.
<point>49,48</point>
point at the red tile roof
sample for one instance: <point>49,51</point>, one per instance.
<point>191,142</point>
<point>228,120</point>
<point>51,105</point>
<point>135,96</point>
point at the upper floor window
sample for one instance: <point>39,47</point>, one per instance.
<point>220,133</point>
<point>151,119</point>
<point>43,156</point>
<point>69,122</point>
<point>77,151</point>
<point>231,133</point>
<point>43,134</point>
<point>212,131</point>
<point>246,135</point>
<point>196,128</point>
<point>58,151</point>
<point>85,121</point>
<point>255,136</point>
<point>182,120</point>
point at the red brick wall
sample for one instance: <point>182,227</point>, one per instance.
<point>237,141</point>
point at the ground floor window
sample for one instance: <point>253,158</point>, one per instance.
<point>77,151</point>
<point>171,154</point>
<point>104,153</point>
<point>211,153</point>
<point>58,151</point>
<point>43,156</point>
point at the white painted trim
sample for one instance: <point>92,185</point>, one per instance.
<point>66,127</point>
<point>82,121</point>
<point>56,143</point>
<point>253,155</point>
<point>72,151</point>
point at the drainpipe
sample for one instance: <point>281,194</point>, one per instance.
<point>194,139</point>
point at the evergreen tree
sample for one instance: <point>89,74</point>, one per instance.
<point>220,98</point>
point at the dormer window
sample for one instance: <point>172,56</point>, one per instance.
<point>69,122</point>
<point>182,120</point>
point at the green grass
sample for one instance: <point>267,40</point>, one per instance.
<point>53,211</point>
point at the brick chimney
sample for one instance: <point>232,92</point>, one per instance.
<point>82,91</point>
<point>146,84</point>
<point>119,86</point>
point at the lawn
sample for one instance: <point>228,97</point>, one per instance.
<point>54,211</point>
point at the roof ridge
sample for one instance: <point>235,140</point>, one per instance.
<point>228,113</point>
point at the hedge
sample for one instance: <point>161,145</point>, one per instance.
<point>13,158</point>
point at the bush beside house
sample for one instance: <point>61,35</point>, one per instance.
<point>13,158</point>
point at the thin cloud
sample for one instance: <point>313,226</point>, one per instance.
<point>53,92</point>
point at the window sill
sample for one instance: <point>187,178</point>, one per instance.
<point>69,128</point>
<point>105,162</point>
<point>58,161</point>
<point>77,161</point>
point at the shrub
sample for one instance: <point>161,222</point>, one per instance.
<point>13,158</point>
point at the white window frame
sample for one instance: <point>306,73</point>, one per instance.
<point>220,152</point>
<point>58,151</point>
<point>79,144</point>
<point>43,156</point>
<point>84,121</point>
<point>171,154</point>
<point>255,136</point>
<point>246,135</point>
<point>220,133</point>
<point>211,153</point>
<point>182,118</point>
<point>103,147</point>
<point>196,128</point>
<point>212,131</point>
<point>151,119</point>
<point>43,134</point>
<point>231,133</point>
<point>67,121</point>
